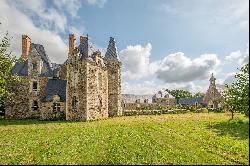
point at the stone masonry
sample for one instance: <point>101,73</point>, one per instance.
<point>86,87</point>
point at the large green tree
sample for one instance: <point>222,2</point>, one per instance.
<point>6,62</point>
<point>178,93</point>
<point>199,94</point>
<point>237,94</point>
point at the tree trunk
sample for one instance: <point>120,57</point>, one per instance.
<point>232,114</point>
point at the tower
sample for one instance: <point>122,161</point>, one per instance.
<point>114,79</point>
<point>75,108</point>
<point>212,97</point>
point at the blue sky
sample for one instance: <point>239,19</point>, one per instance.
<point>162,43</point>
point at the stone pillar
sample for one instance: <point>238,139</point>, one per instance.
<point>26,41</point>
<point>114,88</point>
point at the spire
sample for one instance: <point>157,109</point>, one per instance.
<point>112,50</point>
<point>212,80</point>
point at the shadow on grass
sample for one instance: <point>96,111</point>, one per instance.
<point>6,122</point>
<point>236,128</point>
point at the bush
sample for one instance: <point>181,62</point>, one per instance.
<point>202,110</point>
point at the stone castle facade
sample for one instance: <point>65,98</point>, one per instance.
<point>85,87</point>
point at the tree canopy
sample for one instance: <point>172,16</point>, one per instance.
<point>178,93</point>
<point>237,94</point>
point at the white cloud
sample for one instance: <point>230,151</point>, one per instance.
<point>99,3</point>
<point>179,68</point>
<point>70,6</point>
<point>244,59</point>
<point>77,31</point>
<point>135,61</point>
<point>233,56</point>
<point>43,16</point>
<point>152,87</point>
<point>229,78</point>
<point>17,23</point>
<point>228,12</point>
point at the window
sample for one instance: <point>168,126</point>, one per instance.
<point>56,107</point>
<point>35,105</point>
<point>74,103</point>
<point>34,86</point>
<point>99,81</point>
<point>34,66</point>
<point>99,103</point>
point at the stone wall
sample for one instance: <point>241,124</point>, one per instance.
<point>114,87</point>
<point>48,113</point>
<point>97,91</point>
<point>19,104</point>
<point>76,88</point>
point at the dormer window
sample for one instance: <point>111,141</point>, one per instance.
<point>34,85</point>
<point>34,66</point>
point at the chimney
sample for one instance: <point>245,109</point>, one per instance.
<point>71,43</point>
<point>26,41</point>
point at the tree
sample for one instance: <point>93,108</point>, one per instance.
<point>199,94</point>
<point>6,62</point>
<point>178,93</point>
<point>237,94</point>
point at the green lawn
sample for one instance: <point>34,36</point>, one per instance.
<point>201,138</point>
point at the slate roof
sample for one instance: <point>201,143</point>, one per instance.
<point>111,50</point>
<point>21,69</point>
<point>190,101</point>
<point>86,49</point>
<point>55,87</point>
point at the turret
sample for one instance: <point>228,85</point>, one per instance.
<point>114,79</point>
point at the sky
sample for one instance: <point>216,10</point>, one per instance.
<point>173,44</point>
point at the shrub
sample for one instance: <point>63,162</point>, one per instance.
<point>202,110</point>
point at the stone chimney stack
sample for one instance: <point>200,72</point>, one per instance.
<point>26,41</point>
<point>71,43</point>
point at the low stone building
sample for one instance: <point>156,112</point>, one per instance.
<point>86,87</point>
<point>164,99</point>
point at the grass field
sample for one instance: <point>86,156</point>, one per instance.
<point>205,138</point>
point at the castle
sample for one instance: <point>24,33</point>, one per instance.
<point>86,86</point>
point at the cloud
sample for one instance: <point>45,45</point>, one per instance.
<point>228,12</point>
<point>229,78</point>
<point>43,16</point>
<point>152,87</point>
<point>233,56</point>
<point>17,23</point>
<point>77,31</point>
<point>135,61</point>
<point>70,6</point>
<point>244,59</point>
<point>179,68</point>
<point>99,3</point>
